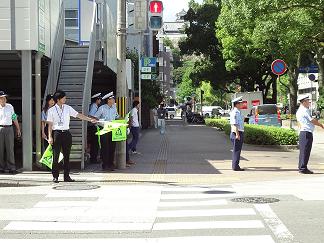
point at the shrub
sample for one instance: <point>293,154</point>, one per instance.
<point>260,135</point>
<point>218,123</point>
<point>288,116</point>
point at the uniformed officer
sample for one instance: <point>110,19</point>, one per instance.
<point>307,126</point>
<point>93,139</point>
<point>7,137</point>
<point>107,112</point>
<point>59,135</point>
<point>237,132</point>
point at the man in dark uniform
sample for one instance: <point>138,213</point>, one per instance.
<point>307,126</point>
<point>92,129</point>
<point>107,112</point>
<point>237,132</point>
<point>7,137</point>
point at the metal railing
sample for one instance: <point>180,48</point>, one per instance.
<point>88,77</point>
<point>56,58</point>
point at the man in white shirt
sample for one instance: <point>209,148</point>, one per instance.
<point>59,135</point>
<point>134,126</point>
<point>307,126</point>
<point>7,117</point>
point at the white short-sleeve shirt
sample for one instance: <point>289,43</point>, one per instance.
<point>134,115</point>
<point>304,118</point>
<point>6,113</point>
<point>60,118</point>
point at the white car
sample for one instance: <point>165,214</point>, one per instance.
<point>171,112</point>
<point>207,110</point>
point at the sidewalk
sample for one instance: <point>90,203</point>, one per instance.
<point>194,154</point>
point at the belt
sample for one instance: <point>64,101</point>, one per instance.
<point>5,125</point>
<point>60,130</point>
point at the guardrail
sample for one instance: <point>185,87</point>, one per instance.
<point>57,53</point>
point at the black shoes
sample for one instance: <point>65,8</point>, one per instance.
<point>55,180</point>
<point>307,171</point>
<point>69,179</point>
<point>238,169</point>
<point>13,172</point>
<point>2,171</point>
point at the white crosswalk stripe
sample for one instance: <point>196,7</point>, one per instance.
<point>169,214</point>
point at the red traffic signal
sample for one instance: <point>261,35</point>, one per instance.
<point>156,7</point>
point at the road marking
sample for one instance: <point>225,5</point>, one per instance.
<point>193,196</point>
<point>205,212</point>
<point>191,239</point>
<point>280,231</point>
<point>193,189</point>
<point>76,226</point>
<point>244,224</point>
<point>194,203</point>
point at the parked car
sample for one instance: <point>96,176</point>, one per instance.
<point>268,115</point>
<point>171,112</point>
<point>208,110</point>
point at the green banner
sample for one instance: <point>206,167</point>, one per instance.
<point>119,134</point>
<point>47,158</point>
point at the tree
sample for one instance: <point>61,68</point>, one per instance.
<point>268,30</point>
<point>151,94</point>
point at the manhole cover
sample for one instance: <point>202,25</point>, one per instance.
<point>256,200</point>
<point>76,187</point>
<point>218,192</point>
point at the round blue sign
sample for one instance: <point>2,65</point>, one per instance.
<point>311,77</point>
<point>278,67</point>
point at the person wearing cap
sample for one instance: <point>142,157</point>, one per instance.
<point>307,126</point>
<point>93,139</point>
<point>7,137</point>
<point>237,133</point>
<point>107,112</point>
<point>59,135</point>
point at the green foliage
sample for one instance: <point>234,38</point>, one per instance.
<point>259,135</point>
<point>151,94</point>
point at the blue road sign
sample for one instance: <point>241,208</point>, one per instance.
<point>311,77</point>
<point>278,67</point>
<point>148,61</point>
<point>309,69</point>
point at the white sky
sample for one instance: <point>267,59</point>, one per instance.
<point>171,7</point>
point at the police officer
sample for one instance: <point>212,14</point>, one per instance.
<point>107,112</point>
<point>237,132</point>
<point>59,135</point>
<point>307,126</point>
<point>7,137</point>
<point>93,140</point>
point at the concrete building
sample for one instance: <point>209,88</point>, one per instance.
<point>306,86</point>
<point>174,32</point>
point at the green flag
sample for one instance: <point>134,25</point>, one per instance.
<point>119,134</point>
<point>47,158</point>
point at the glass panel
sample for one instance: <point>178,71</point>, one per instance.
<point>267,109</point>
<point>71,23</point>
<point>71,14</point>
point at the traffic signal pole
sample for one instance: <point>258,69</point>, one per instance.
<point>139,78</point>
<point>121,74</point>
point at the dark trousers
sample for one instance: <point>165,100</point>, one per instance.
<point>93,141</point>
<point>107,151</point>
<point>237,147</point>
<point>305,147</point>
<point>135,134</point>
<point>7,141</point>
<point>62,141</point>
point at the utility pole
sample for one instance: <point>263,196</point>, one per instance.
<point>121,74</point>
<point>139,77</point>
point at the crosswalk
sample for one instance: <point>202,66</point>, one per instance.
<point>148,213</point>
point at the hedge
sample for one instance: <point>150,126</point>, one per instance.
<point>260,135</point>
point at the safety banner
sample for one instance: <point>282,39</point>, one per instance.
<point>47,158</point>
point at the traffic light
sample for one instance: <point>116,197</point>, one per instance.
<point>155,14</point>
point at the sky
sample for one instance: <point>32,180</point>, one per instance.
<point>171,7</point>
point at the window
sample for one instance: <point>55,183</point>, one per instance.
<point>267,109</point>
<point>71,18</point>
